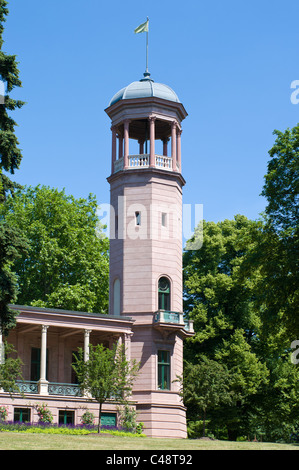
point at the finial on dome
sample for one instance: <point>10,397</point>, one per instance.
<point>146,76</point>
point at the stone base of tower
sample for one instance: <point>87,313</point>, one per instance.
<point>161,410</point>
<point>162,421</point>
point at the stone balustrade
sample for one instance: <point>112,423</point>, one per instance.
<point>162,162</point>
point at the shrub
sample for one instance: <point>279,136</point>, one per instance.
<point>128,416</point>
<point>44,414</point>
<point>87,418</point>
<point>3,413</point>
<point>47,428</point>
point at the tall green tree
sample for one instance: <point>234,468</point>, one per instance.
<point>241,289</point>
<point>273,413</point>
<point>106,375</point>
<point>277,252</point>
<point>227,323</point>
<point>12,246</point>
<point>10,154</point>
<point>248,377</point>
<point>205,386</point>
<point>12,243</point>
<point>216,297</point>
<point>224,293</point>
<point>67,262</point>
<point>281,186</point>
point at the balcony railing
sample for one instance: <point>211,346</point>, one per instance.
<point>163,162</point>
<point>62,389</point>
<point>67,390</point>
<point>139,161</point>
<point>142,161</point>
<point>27,386</point>
<point>166,316</point>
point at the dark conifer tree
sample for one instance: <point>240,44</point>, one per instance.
<point>12,244</point>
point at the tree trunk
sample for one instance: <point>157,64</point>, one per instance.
<point>100,414</point>
<point>204,424</point>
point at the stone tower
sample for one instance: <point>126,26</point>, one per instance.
<point>146,245</point>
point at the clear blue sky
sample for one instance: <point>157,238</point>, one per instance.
<point>230,62</point>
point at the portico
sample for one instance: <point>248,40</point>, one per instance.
<point>56,334</point>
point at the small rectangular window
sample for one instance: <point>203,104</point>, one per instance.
<point>163,370</point>
<point>164,219</point>
<point>66,417</point>
<point>22,415</point>
<point>138,218</point>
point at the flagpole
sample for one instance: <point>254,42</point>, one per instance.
<point>147,47</point>
<point>141,29</point>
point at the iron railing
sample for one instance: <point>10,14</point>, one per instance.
<point>62,389</point>
<point>27,386</point>
<point>167,316</point>
<point>68,390</point>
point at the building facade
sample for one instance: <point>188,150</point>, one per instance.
<point>145,304</point>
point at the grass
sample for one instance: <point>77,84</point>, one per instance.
<point>22,441</point>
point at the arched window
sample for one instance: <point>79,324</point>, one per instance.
<point>164,294</point>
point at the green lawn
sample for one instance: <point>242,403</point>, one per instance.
<point>27,441</point>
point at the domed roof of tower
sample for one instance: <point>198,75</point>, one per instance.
<point>145,88</point>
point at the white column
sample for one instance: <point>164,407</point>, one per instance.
<point>86,344</point>
<point>43,383</point>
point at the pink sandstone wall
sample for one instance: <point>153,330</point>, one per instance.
<point>162,411</point>
<point>149,251</point>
